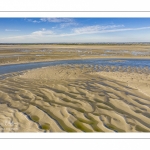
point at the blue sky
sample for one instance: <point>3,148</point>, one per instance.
<point>70,30</point>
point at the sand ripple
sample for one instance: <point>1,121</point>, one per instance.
<point>73,99</point>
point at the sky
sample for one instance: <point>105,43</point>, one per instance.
<point>74,30</point>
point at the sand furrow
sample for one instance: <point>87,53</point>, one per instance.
<point>75,98</point>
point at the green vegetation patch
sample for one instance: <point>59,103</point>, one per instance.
<point>35,118</point>
<point>81,126</point>
<point>66,100</point>
<point>93,123</point>
<point>46,126</point>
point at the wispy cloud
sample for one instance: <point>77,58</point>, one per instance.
<point>52,20</point>
<point>101,29</point>
<point>33,20</point>
<point>63,22</point>
<point>11,30</point>
<point>42,32</point>
<point>45,34</point>
<point>57,20</point>
<point>95,29</point>
<point>64,25</point>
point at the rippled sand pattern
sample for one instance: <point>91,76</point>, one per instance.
<point>71,99</point>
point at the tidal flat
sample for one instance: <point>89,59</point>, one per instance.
<point>76,97</point>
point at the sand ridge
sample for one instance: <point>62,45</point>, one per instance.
<point>76,98</point>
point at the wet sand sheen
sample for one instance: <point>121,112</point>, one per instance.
<point>75,98</point>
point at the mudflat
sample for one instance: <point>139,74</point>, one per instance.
<point>24,53</point>
<point>76,98</point>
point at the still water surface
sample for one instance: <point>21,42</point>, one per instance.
<point>101,62</point>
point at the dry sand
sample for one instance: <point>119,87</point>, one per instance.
<point>75,98</point>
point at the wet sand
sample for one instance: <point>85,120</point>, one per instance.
<point>76,98</point>
<point>25,53</point>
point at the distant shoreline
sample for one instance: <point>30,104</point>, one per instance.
<point>27,53</point>
<point>109,43</point>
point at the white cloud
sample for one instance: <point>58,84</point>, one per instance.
<point>101,29</point>
<point>63,22</point>
<point>64,25</point>
<point>42,32</point>
<point>34,35</point>
<point>94,29</point>
<point>123,29</point>
<point>33,20</point>
<point>57,20</point>
<point>54,27</point>
<point>43,29</point>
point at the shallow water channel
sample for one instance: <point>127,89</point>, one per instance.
<point>5,69</point>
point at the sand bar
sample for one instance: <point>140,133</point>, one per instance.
<point>75,98</point>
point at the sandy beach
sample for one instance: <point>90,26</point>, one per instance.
<point>76,98</point>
